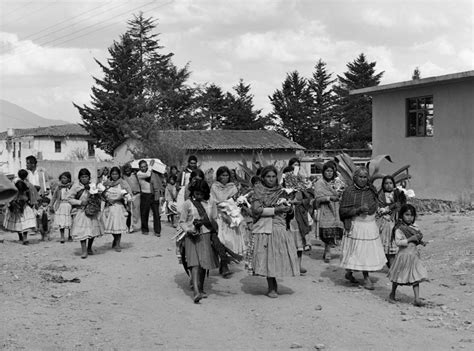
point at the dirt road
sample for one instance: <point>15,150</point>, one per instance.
<point>140,299</point>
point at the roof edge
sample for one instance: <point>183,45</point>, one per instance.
<point>447,78</point>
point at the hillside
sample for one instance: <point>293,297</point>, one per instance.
<point>14,116</point>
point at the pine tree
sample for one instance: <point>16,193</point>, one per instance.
<point>323,104</point>
<point>292,109</point>
<point>116,99</point>
<point>142,90</point>
<point>240,112</point>
<point>212,104</point>
<point>355,111</point>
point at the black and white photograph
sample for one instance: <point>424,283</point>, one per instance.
<point>236,175</point>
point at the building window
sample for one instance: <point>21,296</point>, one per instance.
<point>90,149</point>
<point>57,146</point>
<point>420,115</point>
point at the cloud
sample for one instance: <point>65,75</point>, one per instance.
<point>377,18</point>
<point>27,58</point>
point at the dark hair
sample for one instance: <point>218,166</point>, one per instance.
<point>84,171</point>
<point>45,200</point>
<point>332,165</point>
<point>115,169</point>
<point>142,161</point>
<point>172,177</point>
<point>65,174</point>
<point>288,169</point>
<point>293,160</point>
<point>195,173</point>
<point>126,166</point>
<point>174,167</point>
<point>268,169</point>
<point>255,179</point>
<point>202,186</point>
<point>221,170</point>
<point>21,186</point>
<point>405,208</point>
<point>192,158</point>
<point>31,159</point>
<point>22,174</point>
<point>385,178</point>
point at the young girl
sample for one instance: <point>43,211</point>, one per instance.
<point>197,220</point>
<point>117,194</point>
<point>20,216</point>
<point>85,226</point>
<point>171,195</point>
<point>62,208</point>
<point>390,201</point>
<point>43,214</point>
<point>407,268</point>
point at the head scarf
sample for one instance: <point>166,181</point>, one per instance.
<point>266,195</point>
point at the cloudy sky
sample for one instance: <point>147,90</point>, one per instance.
<point>47,47</point>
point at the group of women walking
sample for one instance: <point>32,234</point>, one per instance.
<point>266,224</point>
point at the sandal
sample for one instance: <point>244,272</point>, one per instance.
<point>307,247</point>
<point>272,294</point>
<point>197,298</point>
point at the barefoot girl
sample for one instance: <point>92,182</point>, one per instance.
<point>196,220</point>
<point>62,207</point>
<point>407,268</point>
<point>274,250</point>
<point>117,192</point>
<point>391,200</point>
<point>85,225</point>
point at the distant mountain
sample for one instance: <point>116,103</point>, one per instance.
<point>14,116</point>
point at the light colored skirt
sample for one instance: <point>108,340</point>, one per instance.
<point>114,218</point>
<point>407,268</point>
<point>84,227</point>
<point>20,222</point>
<point>199,252</point>
<point>362,248</point>
<point>275,253</point>
<point>385,229</point>
<point>232,238</point>
<point>62,216</point>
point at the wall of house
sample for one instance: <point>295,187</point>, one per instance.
<point>232,159</point>
<point>212,159</point>
<point>43,148</point>
<point>441,166</point>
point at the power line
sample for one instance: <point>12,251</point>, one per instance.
<point>25,51</point>
<point>18,8</point>
<point>28,15</point>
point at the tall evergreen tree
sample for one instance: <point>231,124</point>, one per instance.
<point>116,99</point>
<point>292,109</point>
<point>355,124</point>
<point>240,112</point>
<point>212,104</point>
<point>141,90</point>
<point>323,104</point>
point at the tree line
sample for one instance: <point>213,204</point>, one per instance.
<point>143,91</point>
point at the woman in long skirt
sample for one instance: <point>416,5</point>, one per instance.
<point>86,226</point>
<point>362,248</point>
<point>117,193</point>
<point>233,237</point>
<point>274,246</point>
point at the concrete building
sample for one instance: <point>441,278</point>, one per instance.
<point>67,142</point>
<point>429,124</point>
<point>215,148</point>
